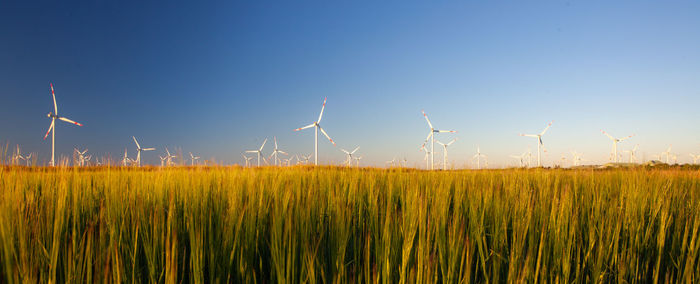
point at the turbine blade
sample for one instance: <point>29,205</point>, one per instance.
<point>453,141</point>
<point>326,134</point>
<point>251,151</point>
<point>628,137</point>
<point>50,127</point>
<point>344,151</point>
<point>546,128</point>
<point>353,151</point>
<point>149,149</point>
<point>137,142</point>
<point>322,108</point>
<point>305,127</point>
<point>609,136</point>
<point>263,144</point>
<point>426,119</point>
<point>446,131</point>
<point>529,135</point>
<point>428,138</point>
<point>55,108</point>
<point>69,121</point>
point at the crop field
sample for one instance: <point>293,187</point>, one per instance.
<point>340,225</point>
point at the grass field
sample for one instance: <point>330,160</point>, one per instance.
<point>329,224</point>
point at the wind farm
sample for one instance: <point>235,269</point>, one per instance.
<point>201,197</point>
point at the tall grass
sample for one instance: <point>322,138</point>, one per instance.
<point>329,224</point>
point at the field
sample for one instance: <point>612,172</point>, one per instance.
<point>332,224</point>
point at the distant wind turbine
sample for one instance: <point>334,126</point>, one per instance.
<point>193,158</point>
<point>633,157</point>
<point>275,153</point>
<point>258,151</point>
<point>667,153</point>
<point>539,142</point>
<point>169,157</point>
<point>53,117</point>
<point>478,156</point>
<point>576,157</point>
<point>615,141</point>
<point>317,126</point>
<point>444,152</point>
<point>431,137</point>
<point>139,150</point>
<point>81,156</point>
<point>695,158</point>
<point>247,159</point>
<point>349,155</point>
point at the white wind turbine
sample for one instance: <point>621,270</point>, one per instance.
<point>258,151</point>
<point>193,158</point>
<point>539,142</point>
<point>162,160</point>
<point>431,137</point>
<point>125,160</point>
<point>520,158</point>
<point>139,150</point>
<point>426,157</point>
<point>317,127</point>
<point>28,159</point>
<point>169,157</point>
<point>275,153</point>
<point>247,159</point>
<point>53,117</point>
<point>576,158</point>
<point>695,158</point>
<point>349,155</point>
<point>306,159</point>
<point>81,156</point>
<point>478,156</point>
<point>357,160</point>
<point>667,153</point>
<point>615,141</point>
<point>444,152</point>
<point>633,157</point>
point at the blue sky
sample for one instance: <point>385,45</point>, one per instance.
<point>217,78</point>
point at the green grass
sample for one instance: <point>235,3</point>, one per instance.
<point>329,224</point>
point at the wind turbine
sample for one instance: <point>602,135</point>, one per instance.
<point>478,156</point>
<point>81,156</point>
<point>169,157</point>
<point>259,151</point>
<point>431,137</point>
<point>357,160</point>
<point>53,117</point>
<point>520,158</point>
<point>246,158</point>
<point>162,160</point>
<point>427,155</point>
<point>539,142</point>
<point>275,151</point>
<point>28,159</point>
<point>317,126</point>
<point>666,153</point>
<point>126,160</point>
<point>695,158</point>
<point>444,152</point>
<point>633,157</point>
<point>349,155</point>
<point>615,141</point>
<point>139,150</point>
<point>306,159</point>
<point>193,158</point>
<point>576,157</point>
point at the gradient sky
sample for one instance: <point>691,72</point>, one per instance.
<point>218,78</point>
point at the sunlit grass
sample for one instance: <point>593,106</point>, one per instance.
<point>334,224</point>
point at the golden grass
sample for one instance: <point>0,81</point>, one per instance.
<point>332,224</point>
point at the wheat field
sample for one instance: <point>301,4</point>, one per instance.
<point>342,225</point>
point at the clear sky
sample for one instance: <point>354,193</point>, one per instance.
<point>217,78</point>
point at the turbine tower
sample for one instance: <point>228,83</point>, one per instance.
<point>615,141</point>
<point>539,142</point>
<point>258,151</point>
<point>52,128</point>
<point>317,126</point>
<point>139,150</point>
<point>444,152</point>
<point>431,137</point>
<point>478,156</point>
